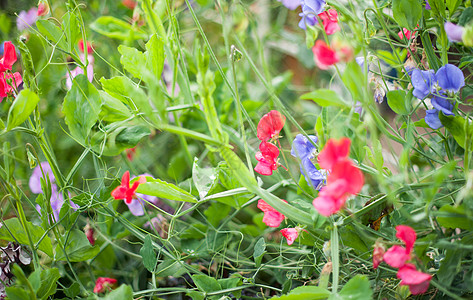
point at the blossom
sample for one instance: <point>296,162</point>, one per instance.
<point>136,206</point>
<point>330,21</point>
<point>450,78</point>
<point>9,57</point>
<point>130,153</point>
<point>331,198</point>
<point>310,10</point>
<point>334,151</point>
<point>89,233</point>
<point>103,283</point>
<point>305,150</point>
<point>124,191</point>
<point>405,32</point>
<point>271,217</point>
<point>267,159</point>
<point>378,254</point>
<point>427,5</point>
<point>418,282</point>
<point>35,178</point>
<point>90,50</point>
<point>423,83</point>
<point>312,175</point>
<point>26,18</point>
<point>131,4</point>
<point>291,4</point>
<point>324,55</point>
<point>270,125</point>
<point>454,32</point>
<point>70,75</point>
<point>291,234</point>
<point>43,8</point>
<point>397,256</point>
<point>9,83</point>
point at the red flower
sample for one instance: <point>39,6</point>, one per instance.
<point>89,47</point>
<point>290,234</point>
<point>324,55</point>
<point>267,159</point>
<point>9,57</point>
<point>5,87</point>
<point>129,3</point>
<point>270,125</point>
<point>124,191</point>
<point>331,198</point>
<point>330,21</point>
<point>272,217</point>
<point>405,32</point>
<point>397,256</point>
<point>334,151</point>
<point>418,282</point>
<point>103,283</point>
<point>347,171</point>
<point>130,153</point>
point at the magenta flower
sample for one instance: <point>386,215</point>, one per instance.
<point>418,282</point>
<point>291,234</point>
<point>272,217</point>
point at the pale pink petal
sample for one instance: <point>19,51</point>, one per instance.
<point>273,218</point>
<point>290,234</point>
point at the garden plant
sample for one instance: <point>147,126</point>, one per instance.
<point>236,149</point>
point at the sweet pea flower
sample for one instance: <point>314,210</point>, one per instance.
<point>330,21</point>
<point>130,4</point>
<point>103,284</point>
<point>305,150</point>
<point>324,56</point>
<point>454,32</point>
<point>35,178</point>
<point>423,83</point>
<point>310,10</point>
<point>271,217</point>
<point>291,234</point>
<point>26,19</point>
<point>9,83</point>
<point>334,151</point>
<point>9,57</point>
<point>418,282</point>
<point>267,159</point>
<point>290,4</point>
<point>270,125</point>
<point>397,256</point>
<point>138,202</point>
<point>124,191</point>
<point>378,254</point>
<point>450,78</point>
<point>427,5</point>
<point>404,32</point>
<point>43,8</point>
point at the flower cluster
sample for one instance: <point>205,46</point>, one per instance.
<point>398,257</point>
<point>304,149</point>
<point>57,199</point>
<point>9,81</point>
<point>441,85</point>
<point>344,177</point>
<point>267,131</point>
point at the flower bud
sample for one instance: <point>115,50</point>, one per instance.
<point>43,8</point>
<point>378,254</point>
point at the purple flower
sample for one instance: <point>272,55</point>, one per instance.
<point>427,5</point>
<point>454,32</point>
<point>305,150</point>
<point>442,104</point>
<point>26,19</point>
<point>450,78</point>
<point>423,83</point>
<point>57,201</point>
<point>35,179</point>
<point>291,4</point>
<point>310,10</point>
<point>432,119</point>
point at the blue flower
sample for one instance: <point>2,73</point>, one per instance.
<point>432,118</point>
<point>450,78</point>
<point>423,83</point>
<point>310,10</point>
<point>305,150</point>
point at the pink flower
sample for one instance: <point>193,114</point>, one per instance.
<point>90,50</point>
<point>418,282</point>
<point>270,125</point>
<point>26,18</point>
<point>103,283</point>
<point>9,83</point>
<point>397,256</point>
<point>271,217</point>
<point>330,21</point>
<point>9,57</point>
<point>331,198</point>
<point>43,8</point>
<point>267,159</point>
<point>404,32</point>
<point>324,56</point>
<point>89,233</point>
<point>124,191</point>
<point>290,234</point>
<point>334,151</point>
<point>378,254</point>
<point>130,4</point>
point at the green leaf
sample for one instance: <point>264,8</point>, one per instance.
<point>116,29</point>
<point>259,251</point>
<point>453,5</point>
<point>71,29</point>
<point>15,293</point>
<point>78,247</point>
<point>195,295</point>
<point>118,138</point>
<point>357,288</point>
<point>162,189</point>
<point>113,109</point>
<point>354,80</point>
<point>49,278</point>
<point>305,292</point>
<point>438,7</point>
<point>206,284</point>
<point>203,178</point>
<point>155,56</point>
<point>21,108</point>
<point>399,102</point>
<point>81,108</point>
<point>454,217</point>
<point>52,33</point>
<point>148,254</point>
<point>466,17</point>
<point>407,13</point>
<point>450,266</point>
<point>324,97</point>
<point>216,212</point>
<point>18,234</point>
<point>456,126</point>
<point>124,292</point>
<point>170,267</point>
<point>132,60</point>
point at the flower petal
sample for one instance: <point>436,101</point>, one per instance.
<point>432,119</point>
<point>450,78</point>
<point>333,151</point>
<point>396,256</point>
<point>346,170</point>
<point>270,125</point>
<point>422,81</point>
<point>407,235</point>
<point>290,234</point>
